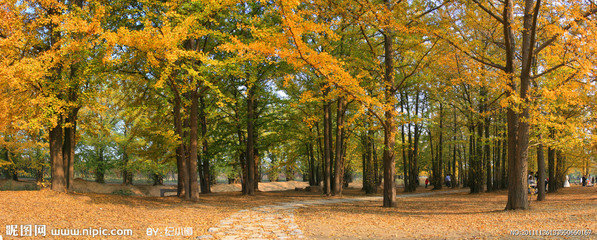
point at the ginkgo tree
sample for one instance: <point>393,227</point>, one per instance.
<point>529,33</point>
<point>200,90</point>
<point>51,61</point>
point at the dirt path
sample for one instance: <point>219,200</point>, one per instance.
<point>276,221</point>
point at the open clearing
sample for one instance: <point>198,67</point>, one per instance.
<point>441,216</point>
<point>452,216</point>
<point>85,210</point>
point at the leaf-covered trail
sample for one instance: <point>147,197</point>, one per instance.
<point>276,221</point>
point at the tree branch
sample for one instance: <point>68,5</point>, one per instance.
<point>495,16</point>
<point>556,67</point>
<point>478,59</point>
<point>553,38</point>
<point>416,66</point>
<point>427,12</point>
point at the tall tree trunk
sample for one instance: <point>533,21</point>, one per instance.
<point>127,176</point>
<point>438,177</point>
<point>405,162</point>
<point>181,162</point>
<point>378,173</point>
<point>256,158</point>
<point>339,162</point>
<point>517,190</point>
<point>560,170</point>
<point>193,189</point>
<point>250,152</point>
<point>56,134</point>
<point>461,159</point>
<point>473,158</point>
<point>487,153</point>
<point>440,148</point>
<point>205,166</point>
<point>56,159</point>
<point>504,178</point>
<point>412,147</point>
<point>414,171</point>
<point>346,168</point>
<point>476,165</point>
<point>551,165</point>
<point>257,162</point>
<point>11,172</point>
<point>312,166</point>
<point>320,155</point>
<point>68,147</point>
<point>497,152</point>
<point>100,168</point>
<point>327,151</point>
<point>414,161</point>
<point>541,169</point>
<point>368,177</point>
<point>389,190</point>
<point>434,166</point>
<point>512,118</point>
<point>39,174</point>
<point>242,158</point>
<point>455,178</point>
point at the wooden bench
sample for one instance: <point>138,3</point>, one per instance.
<point>165,190</point>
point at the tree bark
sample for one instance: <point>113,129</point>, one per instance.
<point>312,167</point>
<point>327,151</point>
<point>127,176</point>
<point>552,185</point>
<point>55,136</point>
<point>541,169</point>
<point>517,190</point>
<point>476,165</point>
<point>437,172</point>
<point>560,170</point>
<point>250,151</point>
<point>378,172</point>
<point>257,162</point>
<point>320,155</point>
<point>389,190</point>
<point>339,162</point>
<point>497,149</point>
<point>11,171</point>
<point>100,168</point>
<point>193,189</point>
<point>413,142</point>
<point>487,151</point>
<point>205,166</point>
<point>504,157</point>
<point>68,147</point>
<point>368,177</point>
<point>405,159</point>
<point>181,162</point>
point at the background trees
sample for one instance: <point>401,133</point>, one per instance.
<point>194,92</point>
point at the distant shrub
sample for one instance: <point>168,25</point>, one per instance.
<point>123,192</point>
<point>9,186</point>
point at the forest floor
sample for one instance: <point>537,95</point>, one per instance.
<point>91,210</point>
<point>452,216</point>
<point>456,215</point>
